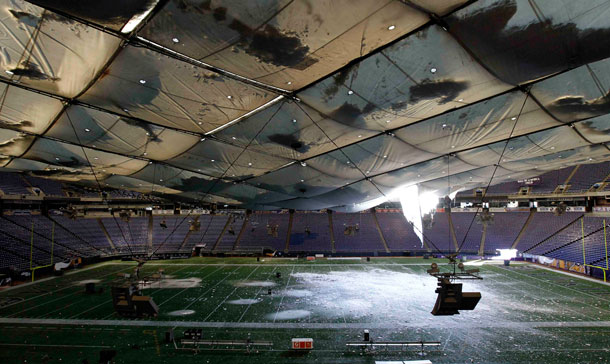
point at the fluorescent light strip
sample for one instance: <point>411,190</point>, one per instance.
<point>135,20</point>
<point>245,115</point>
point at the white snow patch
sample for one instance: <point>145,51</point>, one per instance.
<point>83,282</point>
<point>254,284</point>
<point>244,301</point>
<point>288,315</point>
<point>181,313</point>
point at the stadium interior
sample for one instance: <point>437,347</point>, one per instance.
<point>305,181</point>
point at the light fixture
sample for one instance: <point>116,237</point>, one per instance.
<point>229,97</point>
<point>552,148</point>
<point>289,83</point>
<point>145,153</point>
<point>87,130</point>
<point>202,139</point>
<point>56,158</point>
<point>385,156</point>
<point>212,160</point>
<point>359,136</point>
<point>391,27</point>
<point>142,81</point>
<point>294,120</point>
<point>433,70</point>
<point>350,92</point>
<point>160,180</point>
<point>453,146</point>
<point>9,72</point>
<point>388,121</point>
<point>249,163</point>
<point>234,138</point>
<point>302,180</point>
<point>303,164</point>
<point>96,158</point>
<point>444,126</point>
<point>175,40</point>
<point>460,100</point>
<point>513,118</point>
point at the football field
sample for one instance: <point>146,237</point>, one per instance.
<point>527,314</point>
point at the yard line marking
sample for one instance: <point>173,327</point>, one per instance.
<point>283,295</point>
<point>304,325</point>
<point>256,296</point>
<point>207,275</point>
<point>110,300</point>
<point>558,285</point>
<point>57,345</point>
<point>342,313</point>
<point>59,298</point>
<point>229,295</point>
<point>51,292</point>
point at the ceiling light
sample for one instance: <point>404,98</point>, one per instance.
<point>391,27</point>
<point>388,121</point>
<point>514,118</point>
<point>359,136</point>
<point>289,83</point>
<point>590,159</point>
<point>385,156</point>
<point>453,146</point>
<point>294,120</point>
<point>145,153</point>
<point>175,40</point>
<point>229,97</point>
<point>433,70</point>
<point>302,180</point>
<point>350,92</point>
<point>444,125</point>
<point>87,130</point>
<point>234,138</point>
<point>213,160</point>
<point>56,158</point>
<point>150,162</point>
<point>96,158</point>
<point>552,148</point>
<point>142,81</point>
<point>303,164</point>
<point>249,163</point>
<point>202,139</point>
<point>125,110</point>
<point>460,100</point>
<point>347,162</point>
<point>160,180</point>
<point>9,72</point>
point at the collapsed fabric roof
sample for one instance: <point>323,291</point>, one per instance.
<point>299,104</point>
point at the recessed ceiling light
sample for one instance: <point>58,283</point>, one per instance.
<point>87,130</point>
<point>433,70</point>
<point>302,180</point>
<point>289,83</point>
<point>294,120</point>
<point>460,100</point>
<point>347,162</point>
<point>212,160</point>
<point>160,180</point>
<point>385,156</point>
<point>391,27</point>
<point>350,92</point>
<point>514,118</point>
<point>249,163</point>
<point>142,81</point>
<point>303,164</point>
<point>145,153</point>
<point>229,97</point>
<point>56,158</point>
<point>359,136</point>
<point>590,159</point>
<point>388,121</point>
<point>444,125</point>
<point>234,138</point>
<point>175,40</point>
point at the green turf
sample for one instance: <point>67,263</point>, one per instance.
<point>527,314</point>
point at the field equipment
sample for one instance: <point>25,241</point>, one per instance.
<point>193,339</point>
<point>450,297</point>
<point>129,302</point>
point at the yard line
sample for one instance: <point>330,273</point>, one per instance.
<point>256,295</point>
<point>209,289</point>
<point>229,295</point>
<point>110,300</point>
<point>59,298</point>
<point>558,285</point>
<point>304,325</point>
<point>542,297</point>
<point>207,275</point>
<point>51,292</point>
<point>342,306</point>
<point>283,295</point>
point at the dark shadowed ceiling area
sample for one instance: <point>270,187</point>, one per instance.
<point>302,104</point>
